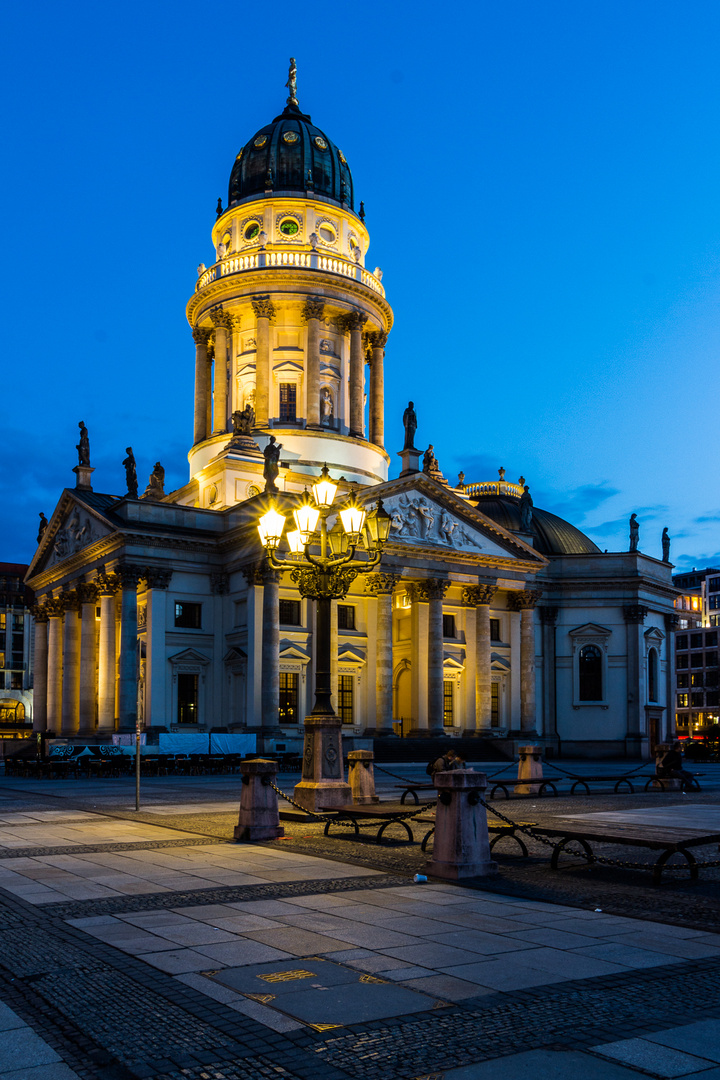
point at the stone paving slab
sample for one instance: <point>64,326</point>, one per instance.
<point>654,1058</point>
<point>702,1038</point>
<point>539,1065</point>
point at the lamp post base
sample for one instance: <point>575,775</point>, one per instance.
<point>323,783</point>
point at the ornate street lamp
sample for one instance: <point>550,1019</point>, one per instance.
<point>323,563</point>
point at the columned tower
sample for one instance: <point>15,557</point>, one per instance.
<point>286,321</point>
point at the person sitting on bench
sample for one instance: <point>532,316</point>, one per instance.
<point>671,767</point>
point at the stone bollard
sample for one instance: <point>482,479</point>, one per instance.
<point>461,846</point>
<point>667,785</point>
<point>529,768</point>
<point>362,776</point>
<point>258,818</point>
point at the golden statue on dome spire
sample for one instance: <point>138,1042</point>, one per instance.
<point>291,84</point>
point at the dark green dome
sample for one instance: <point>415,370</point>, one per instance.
<point>291,156</point>
<point>552,535</point>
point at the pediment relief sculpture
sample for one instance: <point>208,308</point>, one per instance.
<point>78,531</point>
<point>416,519</point>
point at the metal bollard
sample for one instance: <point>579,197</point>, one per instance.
<point>461,846</point>
<point>362,776</point>
<point>529,768</point>
<point>258,818</point>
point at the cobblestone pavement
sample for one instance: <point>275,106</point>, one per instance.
<point>118,980</point>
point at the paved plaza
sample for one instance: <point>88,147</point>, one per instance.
<point>151,946</point>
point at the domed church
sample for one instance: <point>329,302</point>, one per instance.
<point>486,616</point>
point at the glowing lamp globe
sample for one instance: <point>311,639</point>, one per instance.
<point>270,528</point>
<point>377,526</point>
<point>353,519</point>
<point>306,518</point>
<point>296,542</point>
<point>324,490</point>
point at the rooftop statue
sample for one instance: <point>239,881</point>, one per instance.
<point>156,483</point>
<point>42,526</point>
<point>291,84</point>
<point>271,453</point>
<point>243,420</point>
<point>666,545</point>
<point>526,510</point>
<point>634,532</point>
<point>410,425</point>
<point>430,462</point>
<point>83,447</point>
<point>131,480</point>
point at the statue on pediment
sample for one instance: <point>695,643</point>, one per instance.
<point>410,425</point>
<point>131,480</point>
<point>83,447</point>
<point>42,526</point>
<point>526,510</point>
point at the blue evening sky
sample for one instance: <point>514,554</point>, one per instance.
<point>541,186</point>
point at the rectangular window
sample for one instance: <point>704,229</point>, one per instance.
<point>696,679</point>
<point>710,639</point>
<point>346,617</point>
<point>682,701</point>
<point>17,643</point>
<point>714,602</point>
<point>346,686</point>
<point>188,615</point>
<point>3,621</point>
<point>715,620</point>
<point>696,641</point>
<point>16,680</point>
<point>187,698</point>
<point>696,700</point>
<point>711,678</point>
<point>714,584</point>
<point>18,622</point>
<point>696,659</point>
<point>289,612</point>
<point>448,626</point>
<point>447,704</point>
<point>682,681</point>
<point>681,661</point>
<point>494,704</point>
<point>713,698</point>
<point>495,630</point>
<point>681,641</point>
<point>711,659</point>
<point>288,713</point>
<point>288,401</point>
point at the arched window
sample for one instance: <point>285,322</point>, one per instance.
<point>653,675</point>
<point>590,672</point>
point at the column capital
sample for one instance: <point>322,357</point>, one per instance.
<point>258,573</point>
<point>219,584</point>
<point>353,320</point>
<point>129,575</point>
<point>87,592</point>
<point>314,308</point>
<point>219,317</point>
<point>635,613</point>
<point>263,307</point>
<point>201,334</point>
<point>672,621</point>
<point>40,613</point>
<point>428,589</point>
<point>523,600</point>
<point>108,583</point>
<point>157,577</point>
<point>381,584</point>
<point>478,595</point>
<point>54,607</point>
<point>378,338</point>
<point>70,600</point>
<point>548,614</point>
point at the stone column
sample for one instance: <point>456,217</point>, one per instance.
<point>480,596</point>
<point>88,594</point>
<point>40,669</point>
<point>264,312</point>
<point>221,322</point>
<point>354,323</point>
<point>435,590</point>
<point>233,348</point>
<point>201,336</point>
<point>419,654</point>
<point>128,680</point>
<point>71,665</point>
<point>313,313</point>
<point>524,602</point>
<point>156,711</point>
<point>672,621</point>
<point>108,585</point>
<point>382,586</point>
<point>253,573</point>
<point>55,609</point>
<point>378,340</point>
<point>271,649</point>
<point>548,619</point>
<point>636,740</point>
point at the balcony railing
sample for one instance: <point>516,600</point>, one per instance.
<point>494,487</point>
<point>304,260</point>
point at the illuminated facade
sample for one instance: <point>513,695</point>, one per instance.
<point>697,700</point>
<point>477,622</point>
<point>16,651</point>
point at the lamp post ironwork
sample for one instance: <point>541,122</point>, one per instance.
<point>323,562</point>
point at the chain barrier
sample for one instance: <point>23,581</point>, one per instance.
<point>534,835</point>
<point>394,774</point>
<point>510,764</point>
<point>558,768</point>
<point>339,821</point>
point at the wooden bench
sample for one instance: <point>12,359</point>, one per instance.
<point>668,840</point>
<point>671,783</point>
<point>584,781</point>
<point>365,817</point>
<point>500,829</point>
<point>412,789</point>
<point>505,785</point>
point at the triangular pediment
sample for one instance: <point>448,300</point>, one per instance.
<point>234,656</point>
<point>189,656</point>
<point>590,629</point>
<point>290,650</point>
<point>426,514</point>
<point>350,654</point>
<point>74,526</point>
<point>452,665</point>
